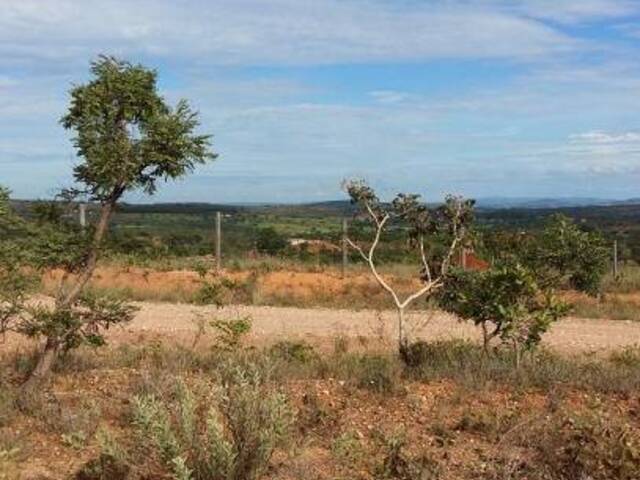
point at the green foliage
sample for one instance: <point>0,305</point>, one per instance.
<point>562,254</point>
<point>505,301</point>
<point>347,447</point>
<point>229,434</point>
<point>81,323</point>
<point>230,333</point>
<point>126,134</point>
<point>217,291</point>
<point>292,351</point>
<point>269,241</point>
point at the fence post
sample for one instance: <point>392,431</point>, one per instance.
<point>615,259</point>
<point>345,252</point>
<point>218,241</point>
<point>82,215</point>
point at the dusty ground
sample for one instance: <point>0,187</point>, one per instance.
<point>571,335</point>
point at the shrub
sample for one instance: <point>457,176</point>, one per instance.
<point>218,292</point>
<point>440,355</point>
<point>397,464</point>
<point>225,435</point>
<point>347,447</point>
<point>269,241</point>
<point>627,357</point>
<point>230,333</point>
<point>506,302</point>
<point>592,445</point>
<point>291,351</point>
<point>377,373</point>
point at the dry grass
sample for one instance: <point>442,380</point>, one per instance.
<point>359,413</point>
<point>279,287</point>
<point>288,285</point>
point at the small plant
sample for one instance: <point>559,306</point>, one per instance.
<point>347,447</point>
<point>9,468</point>
<point>230,333</point>
<point>377,373</point>
<point>398,465</point>
<point>218,291</point>
<point>291,351</point>
<point>75,440</point>
<point>627,357</point>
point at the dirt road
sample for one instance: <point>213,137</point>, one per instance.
<point>572,335</point>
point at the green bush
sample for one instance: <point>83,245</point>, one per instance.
<point>292,351</point>
<point>270,242</point>
<point>230,333</point>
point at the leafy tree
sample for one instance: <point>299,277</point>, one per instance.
<point>127,138</point>
<point>445,225</point>
<point>566,254</point>
<point>269,241</point>
<point>506,302</point>
<point>562,255</point>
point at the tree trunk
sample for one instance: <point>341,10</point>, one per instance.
<point>49,355</point>
<point>40,373</point>
<point>84,276</point>
<point>402,340</point>
<point>485,339</point>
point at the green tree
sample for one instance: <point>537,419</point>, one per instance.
<point>506,302</point>
<point>127,138</point>
<point>269,241</point>
<point>562,254</point>
<point>565,254</point>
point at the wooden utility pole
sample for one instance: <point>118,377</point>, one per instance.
<point>345,247</point>
<point>218,241</point>
<point>83,215</point>
<point>615,259</point>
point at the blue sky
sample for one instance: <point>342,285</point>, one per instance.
<point>484,98</point>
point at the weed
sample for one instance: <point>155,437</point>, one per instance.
<point>593,444</point>
<point>75,440</point>
<point>347,448</point>
<point>398,465</point>
<point>231,332</point>
<point>627,357</point>
<point>378,373</point>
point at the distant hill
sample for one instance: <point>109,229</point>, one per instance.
<point>525,202</point>
<point>491,206</point>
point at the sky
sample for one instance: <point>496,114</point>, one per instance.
<point>484,98</point>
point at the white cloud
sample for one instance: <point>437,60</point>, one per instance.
<point>279,31</point>
<point>603,138</point>
<point>284,137</point>
<point>576,11</point>
<point>389,96</point>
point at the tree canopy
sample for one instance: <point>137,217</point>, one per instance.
<point>126,135</point>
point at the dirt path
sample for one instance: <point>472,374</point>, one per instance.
<point>572,335</point>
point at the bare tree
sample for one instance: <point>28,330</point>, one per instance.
<point>435,234</point>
